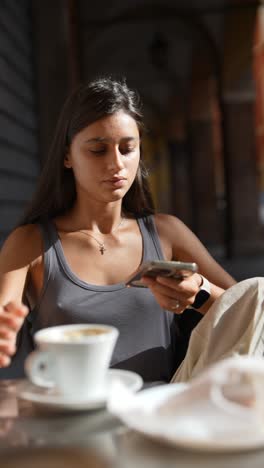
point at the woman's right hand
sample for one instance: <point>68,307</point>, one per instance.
<point>12,316</point>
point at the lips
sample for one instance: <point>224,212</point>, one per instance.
<point>116,179</point>
<point>116,183</point>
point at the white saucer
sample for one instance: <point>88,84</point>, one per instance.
<point>49,399</point>
<point>188,437</point>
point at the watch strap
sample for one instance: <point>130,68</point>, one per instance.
<point>203,294</point>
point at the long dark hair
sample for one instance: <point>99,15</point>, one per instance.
<point>56,191</point>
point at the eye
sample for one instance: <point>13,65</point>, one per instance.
<point>127,150</point>
<point>98,151</point>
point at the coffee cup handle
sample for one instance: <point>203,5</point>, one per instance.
<point>38,368</point>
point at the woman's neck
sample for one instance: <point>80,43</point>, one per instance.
<point>103,219</point>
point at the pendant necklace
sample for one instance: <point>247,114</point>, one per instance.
<point>102,247</point>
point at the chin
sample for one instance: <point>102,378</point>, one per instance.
<point>116,198</point>
<point>117,195</point>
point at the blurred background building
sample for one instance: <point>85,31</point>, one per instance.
<point>199,68</point>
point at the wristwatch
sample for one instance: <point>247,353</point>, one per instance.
<point>203,295</point>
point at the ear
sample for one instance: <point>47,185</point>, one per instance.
<point>67,162</point>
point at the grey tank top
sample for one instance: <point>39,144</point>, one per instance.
<point>144,343</point>
<point>148,333</point>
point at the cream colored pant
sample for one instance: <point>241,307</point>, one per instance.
<point>233,325</point>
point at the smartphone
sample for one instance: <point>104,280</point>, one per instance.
<point>178,270</point>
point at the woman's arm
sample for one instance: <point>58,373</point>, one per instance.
<point>180,243</point>
<point>16,256</point>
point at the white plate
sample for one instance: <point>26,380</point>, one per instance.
<point>197,437</point>
<point>48,398</point>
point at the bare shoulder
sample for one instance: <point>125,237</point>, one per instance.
<point>165,222</point>
<point>172,232</point>
<point>180,243</point>
<point>178,234</point>
<point>171,229</point>
<point>22,247</point>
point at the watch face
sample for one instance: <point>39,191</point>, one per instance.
<point>200,299</point>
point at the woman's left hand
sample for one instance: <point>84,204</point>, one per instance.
<point>173,294</point>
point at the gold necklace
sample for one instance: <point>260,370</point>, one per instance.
<point>102,247</point>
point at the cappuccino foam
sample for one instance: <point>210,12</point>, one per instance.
<point>75,335</point>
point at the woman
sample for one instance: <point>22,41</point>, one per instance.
<point>90,225</point>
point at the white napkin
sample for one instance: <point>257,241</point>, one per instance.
<point>225,403</point>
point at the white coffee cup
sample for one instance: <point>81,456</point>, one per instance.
<point>72,358</point>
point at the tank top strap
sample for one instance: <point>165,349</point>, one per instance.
<point>50,238</point>
<point>50,269</point>
<point>49,234</point>
<point>151,242</point>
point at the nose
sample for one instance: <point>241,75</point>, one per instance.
<point>116,159</point>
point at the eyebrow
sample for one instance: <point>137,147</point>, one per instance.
<point>104,140</point>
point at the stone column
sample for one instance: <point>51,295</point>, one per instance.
<point>239,121</point>
<point>179,166</point>
<point>203,153</point>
